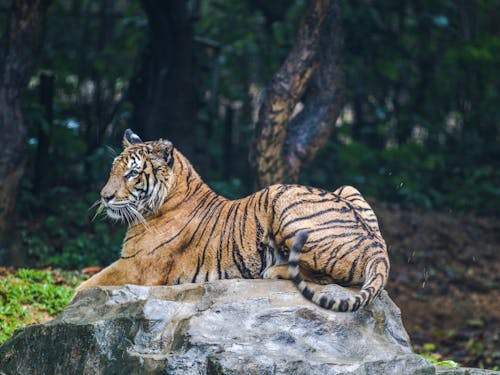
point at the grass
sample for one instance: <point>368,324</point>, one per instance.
<point>428,351</point>
<point>29,296</point>
<point>446,363</point>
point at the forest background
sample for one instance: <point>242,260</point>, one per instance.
<point>417,131</point>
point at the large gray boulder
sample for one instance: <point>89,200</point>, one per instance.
<point>225,327</point>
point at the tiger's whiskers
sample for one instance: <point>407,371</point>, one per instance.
<point>98,211</point>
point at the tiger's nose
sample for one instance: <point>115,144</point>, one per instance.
<point>108,191</point>
<point>106,197</point>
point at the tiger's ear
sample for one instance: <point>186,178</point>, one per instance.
<point>164,150</point>
<point>129,138</point>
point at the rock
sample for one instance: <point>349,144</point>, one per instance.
<point>225,327</point>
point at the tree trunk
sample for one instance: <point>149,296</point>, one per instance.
<point>162,91</point>
<point>303,100</point>
<point>19,48</point>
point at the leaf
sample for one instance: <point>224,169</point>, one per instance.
<point>429,346</point>
<point>448,363</point>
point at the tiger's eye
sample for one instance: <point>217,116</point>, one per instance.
<point>133,173</point>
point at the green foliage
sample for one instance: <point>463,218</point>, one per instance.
<point>232,189</point>
<point>66,236</point>
<point>434,361</point>
<point>30,296</point>
<point>428,351</point>
<point>472,339</point>
<point>421,124</point>
<point>245,38</point>
<point>408,174</point>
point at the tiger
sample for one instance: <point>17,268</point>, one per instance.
<point>181,231</point>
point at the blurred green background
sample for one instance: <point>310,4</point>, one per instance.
<point>419,128</point>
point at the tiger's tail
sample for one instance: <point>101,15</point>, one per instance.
<point>376,271</point>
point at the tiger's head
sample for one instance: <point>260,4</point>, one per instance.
<point>140,179</point>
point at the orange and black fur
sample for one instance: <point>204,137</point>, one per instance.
<point>180,231</point>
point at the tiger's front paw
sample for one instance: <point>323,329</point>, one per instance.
<point>276,272</point>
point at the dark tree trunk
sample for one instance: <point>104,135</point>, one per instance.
<point>162,91</point>
<point>312,76</point>
<point>19,48</point>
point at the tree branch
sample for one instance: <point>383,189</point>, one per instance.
<point>310,129</point>
<point>282,146</point>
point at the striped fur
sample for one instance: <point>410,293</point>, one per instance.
<point>375,281</point>
<point>181,231</point>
